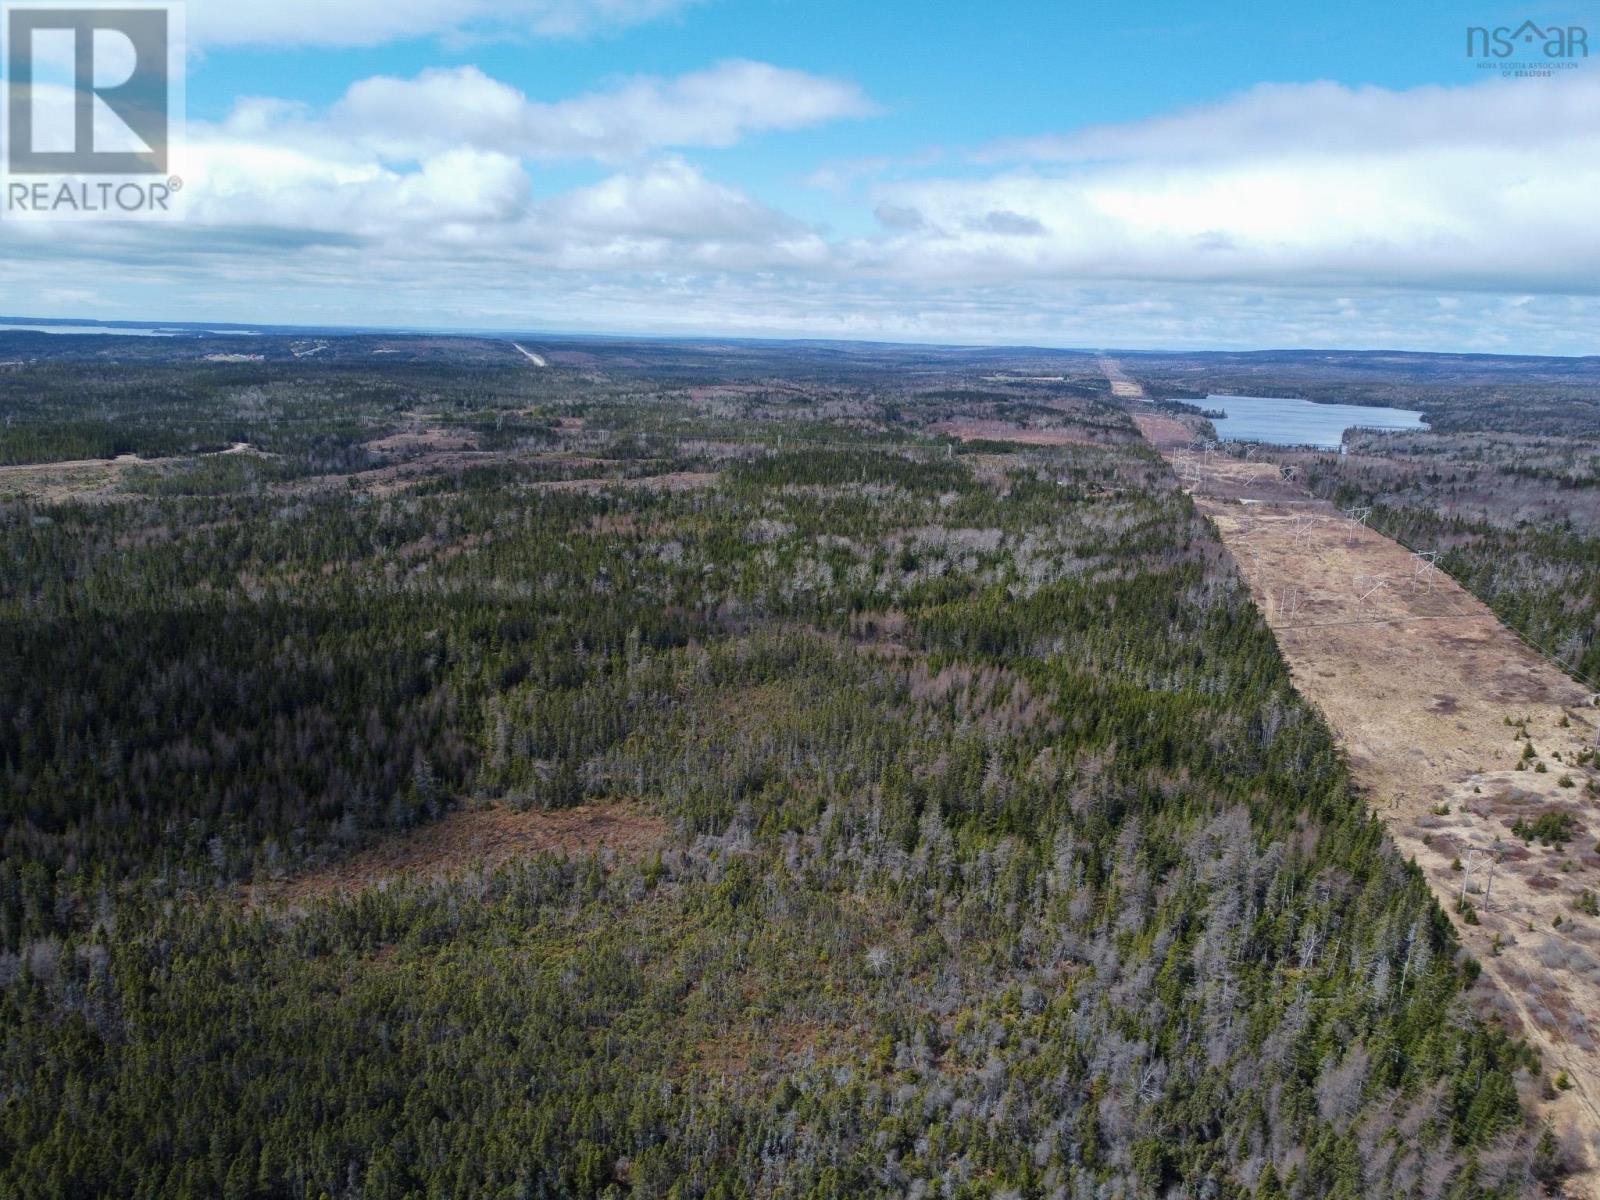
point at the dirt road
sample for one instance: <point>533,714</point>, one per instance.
<point>1457,731</point>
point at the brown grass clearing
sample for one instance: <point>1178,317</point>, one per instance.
<point>972,430</point>
<point>484,838</point>
<point>1418,678</point>
<point>421,441</point>
<point>1121,386</point>
<point>755,1053</point>
<point>678,481</point>
<point>52,482</point>
<point>90,478</point>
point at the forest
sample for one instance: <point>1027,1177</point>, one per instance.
<point>994,853</point>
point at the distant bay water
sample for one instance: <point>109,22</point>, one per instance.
<point>1286,422</point>
<point>117,331</point>
<point>125,330</point>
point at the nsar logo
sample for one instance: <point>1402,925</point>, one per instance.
<point>1552,42</point>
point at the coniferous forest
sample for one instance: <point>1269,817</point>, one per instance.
<point>990,852</point>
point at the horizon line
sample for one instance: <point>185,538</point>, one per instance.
<point>224,328</point>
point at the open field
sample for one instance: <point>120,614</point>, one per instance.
<point>87,477</point>
<point>1004,431</point>
<point>1457,731</point>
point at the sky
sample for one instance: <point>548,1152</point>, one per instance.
<point>1161,175</point>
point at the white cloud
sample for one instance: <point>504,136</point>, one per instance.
<point>443,160</point>
<point>1273,119</point>
<point>265,185</point>
<point>467,203</point>
<point>670,200</point>
<point>717,107</point>
<point>1287,185</point>
<point>373,22</point>
<point>1490,186</point>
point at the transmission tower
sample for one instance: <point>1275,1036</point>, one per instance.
<point>1368,586</point>
<point>1425,568</point>
<point>1289,601</point>
<point>1478,863</point>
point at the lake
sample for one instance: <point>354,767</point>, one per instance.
<point>1284,422</point>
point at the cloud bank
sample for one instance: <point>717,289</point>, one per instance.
<point>1290,214</point>
<point>1480,187</point>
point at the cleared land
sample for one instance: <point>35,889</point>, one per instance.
<point>1005,431</point>
<point>409,457</point>
<point>1438,704</point>
<point>1121,386</point>
<point>478,839</point>
<point>88,477</point>
<point>677,481</point>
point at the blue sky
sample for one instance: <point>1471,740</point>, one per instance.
<point>1092,175</point>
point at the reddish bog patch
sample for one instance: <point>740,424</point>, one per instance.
<point>485,838</point>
